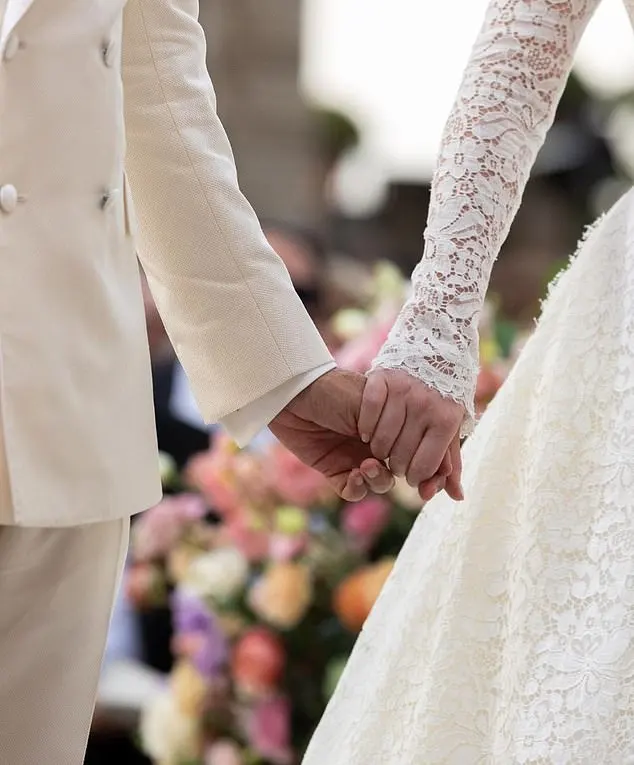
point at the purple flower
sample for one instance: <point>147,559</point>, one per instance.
<point>198,634</point>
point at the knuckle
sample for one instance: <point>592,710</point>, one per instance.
<point>446,419</point>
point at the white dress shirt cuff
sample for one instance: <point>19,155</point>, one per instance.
<point>244,424</point>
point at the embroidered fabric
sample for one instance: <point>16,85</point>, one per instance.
<point>505,105</point>
<point>505,633</point>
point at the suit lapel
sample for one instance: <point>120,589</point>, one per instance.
<point>14,11</point>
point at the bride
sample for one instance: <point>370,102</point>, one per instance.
<point>506,631</point>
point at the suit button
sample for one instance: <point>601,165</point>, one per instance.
<point>11,47</point>
<point>108,52</point>
<point>8,198</point>
<point>108,198</point>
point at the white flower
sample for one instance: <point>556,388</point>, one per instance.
<point>167,735</point>
<point>220,574</point>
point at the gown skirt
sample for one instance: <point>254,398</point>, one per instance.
<point>505,633</point>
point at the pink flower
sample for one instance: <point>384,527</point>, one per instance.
<point>285,547</point>
<point>223,752</point>
<point>295,482</point>
<point>252,543</point>
<point>269,730</point>
<point>158,529</point>
<point>358,354</point>
<point>212,474</point>
<point>363,521</point>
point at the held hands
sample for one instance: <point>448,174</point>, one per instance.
<point>347,427</point>
<point>416,429</point>
<point>320,427</point>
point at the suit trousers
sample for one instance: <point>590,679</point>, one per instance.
<point>57,592</point>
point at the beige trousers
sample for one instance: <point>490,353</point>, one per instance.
<point>57,590</point>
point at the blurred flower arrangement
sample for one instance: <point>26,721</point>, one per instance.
<point>270,577</point>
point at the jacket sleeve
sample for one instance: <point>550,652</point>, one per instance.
<point>228,304</point>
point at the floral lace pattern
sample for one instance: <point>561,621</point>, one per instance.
<point>505,634</point>
<point>506,103</point>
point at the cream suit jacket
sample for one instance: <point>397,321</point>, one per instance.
<point>102,101</point>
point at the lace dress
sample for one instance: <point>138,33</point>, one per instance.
<point>505,633</point>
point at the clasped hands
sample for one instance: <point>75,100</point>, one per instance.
<point>361,432</point>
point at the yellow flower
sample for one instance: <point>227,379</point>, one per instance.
<point>189,688</point>
<point>283,594</point>
<point>168,469</point>
<point>349,323</point>
<point>489,351</point>
<point>179,560</point>
<point>290,520</point>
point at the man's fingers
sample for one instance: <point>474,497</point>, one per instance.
<point>377,477</point>
<point>375,395</point>
<point>354,487</point>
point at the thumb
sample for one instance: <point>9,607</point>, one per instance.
<point>333,401</point>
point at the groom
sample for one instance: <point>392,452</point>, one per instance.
<point>101,100</point>
<point>80,79</point>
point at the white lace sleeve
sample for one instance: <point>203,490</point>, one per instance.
<point>505,105</point>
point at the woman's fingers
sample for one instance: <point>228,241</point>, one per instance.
<point>406,445</point>
<point>375,395</point>
<point>454,480</point>
<point>388,428</point>
<point>429,456</point>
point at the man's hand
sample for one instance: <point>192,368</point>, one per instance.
<point>414,427</point>
<point>320,426</point>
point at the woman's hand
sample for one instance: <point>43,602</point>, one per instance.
<point>415,428</point>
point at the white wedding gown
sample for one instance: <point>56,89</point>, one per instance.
<point>506,631</point>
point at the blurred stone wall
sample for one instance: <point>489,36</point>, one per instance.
<point>253,58</point>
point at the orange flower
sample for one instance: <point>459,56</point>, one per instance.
<point>354,598</point>
<point>282,595</point>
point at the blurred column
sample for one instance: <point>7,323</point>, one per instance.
<point>253,58</point>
